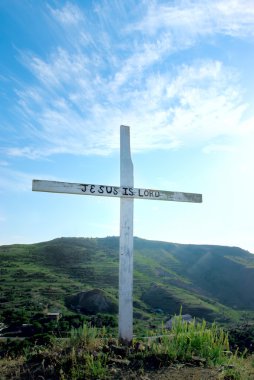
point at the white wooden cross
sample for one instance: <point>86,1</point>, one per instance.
<point>127,193</point>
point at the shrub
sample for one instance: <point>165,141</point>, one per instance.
<point>42,339</point>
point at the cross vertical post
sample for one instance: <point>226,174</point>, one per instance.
<point>125,323</point>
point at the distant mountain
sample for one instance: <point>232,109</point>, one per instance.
<point>212,282</point>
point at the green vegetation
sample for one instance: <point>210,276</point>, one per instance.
<point>77,278</point>
<point>90,353</point>
<point>209,282</point>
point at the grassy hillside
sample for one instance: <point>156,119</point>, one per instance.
<point>211,282</point>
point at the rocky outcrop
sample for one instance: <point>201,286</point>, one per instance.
<point>92,302</point>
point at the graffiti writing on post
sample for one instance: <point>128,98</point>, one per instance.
<point>119,191</point>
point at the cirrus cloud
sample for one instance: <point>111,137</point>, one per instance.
<point>80,95</point>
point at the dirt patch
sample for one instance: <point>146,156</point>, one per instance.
<point>185,374</point>
<point>172,373</point>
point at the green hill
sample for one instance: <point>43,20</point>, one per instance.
<point>212,282</point>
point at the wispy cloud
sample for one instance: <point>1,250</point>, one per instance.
<point>70,14</point>
<point>198,18</point>
<point>12,180</point>
<point>80,95</point>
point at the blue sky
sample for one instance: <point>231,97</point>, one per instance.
<point>179,73</point>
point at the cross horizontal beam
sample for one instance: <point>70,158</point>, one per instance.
<point>114,191</point>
